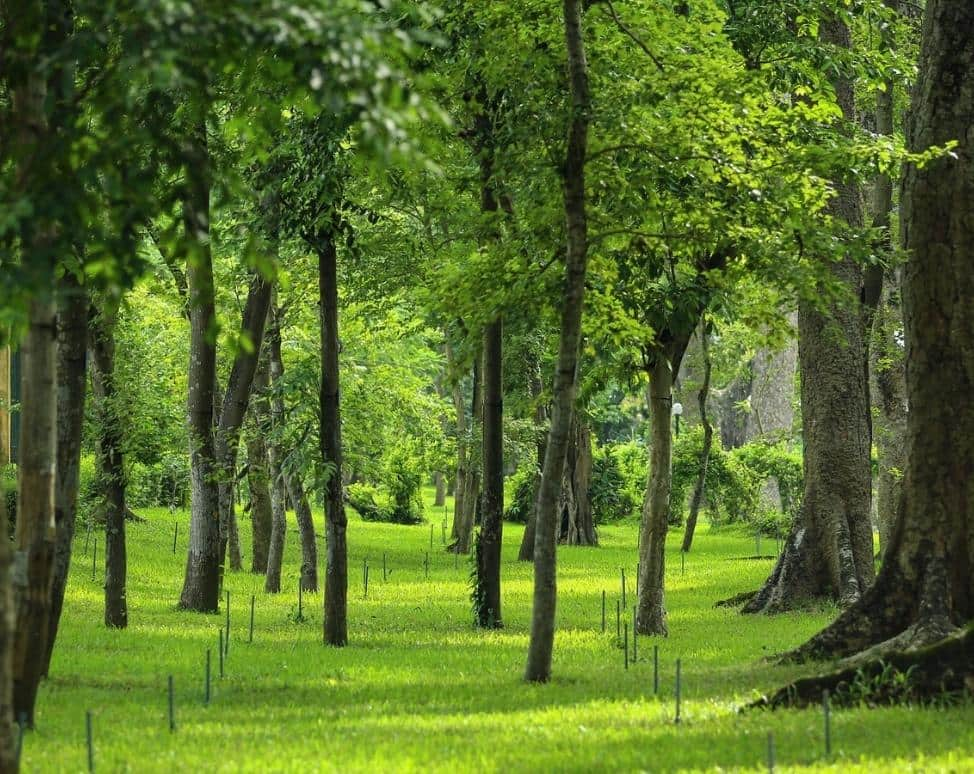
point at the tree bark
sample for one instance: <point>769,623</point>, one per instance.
<point>439,484</point>
<point>292,481</point>
<point>828,552</point>
<point>460,482</point>
<point>201,586</point>
<point>336,523</point>
<point>696,500</point>
<point>110,462</point>
<point>526,553</point>
<point>275,553</point>
<point>471,479</point>
<point>258,474</point>
<point>71,373</point>
<point>8,614</point>
<point>925,587</point>
<point>576,523</point>
<point>538,667</point>
<point>491,531</point>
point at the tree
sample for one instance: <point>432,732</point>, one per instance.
<point>540,648</point>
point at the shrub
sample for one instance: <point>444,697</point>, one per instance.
<point>521,494</point>
<point>608,491</point>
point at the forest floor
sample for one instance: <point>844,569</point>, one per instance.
<point>419,689</point>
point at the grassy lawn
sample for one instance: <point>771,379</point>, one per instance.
<point>420,689</point>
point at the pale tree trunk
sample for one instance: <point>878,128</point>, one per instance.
<point>491,532</point>
<point>460,482</point>
<point>577,523</point>
<point>773,372</point>
<point>538,667</point>
<point>336,523</point>
<point>110,461</point>
<point>71,370</point>
<point>828,553</point>
<point>201,586</point>
<point>439,483</point>
<point>526,553</point>
<point>236,399</point>
<point>699,487</point>
<point>292,481</point>
<point>258,474</point>
<point>275,552</point>
<point>471,480</point>
<point>925,587</point>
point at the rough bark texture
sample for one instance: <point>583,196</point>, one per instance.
<point>439,485</point>
<point>926,585</point>
<point>201,586</point>
<point>111,466</point>
<point>828,552</point>
<point>236,399</point>
<point>491,531</point>
<point>293,485</point>
<point>471,478</point>
<point>258,473</point>
<point>576,523</point>
<point>526,553</point>
<point>71,371</point>
<point>336,523</point>
<point>696,500</point>
<point>538,668</point>
<point>460,482</point>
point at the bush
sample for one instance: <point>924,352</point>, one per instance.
<point>608,490</point>
<point>522,491</point>
<point>780,461</point>
<point>375,505</point>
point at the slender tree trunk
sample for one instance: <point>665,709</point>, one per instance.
<point>471,480</point>
<point>71,369</point>
<point>577,523</point>
<point>336,524</point>
<point>110,463</point>
<point>526,554</point>
<point>293,485</point>
<point>696,500</point>
<point>8,614</point>
<point>258,475</point>
<point>460,482</point>
<point>491,532</point>
<point>439,482</point>
<point>538,667</point>
<point>201,586</point>
<point>925,587</point>
<point>829,550</point>
<point>275,553</point>
<point>651,614</point>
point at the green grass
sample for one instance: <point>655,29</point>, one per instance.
<point>419,689</point>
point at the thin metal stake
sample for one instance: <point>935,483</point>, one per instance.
<point>175,534</point>
<point>226,644</point>
<point>300,601</point>
<point>91,743</point>
<point>172,707</point>
<point>365,577</point>
<point>250,637</point>
<point>622,571</point>
<point>677,719</point>
<point>634,647</point>
<point>383,568</point>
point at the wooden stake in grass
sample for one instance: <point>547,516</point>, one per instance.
<point>655,670</point>
<point>172,707</point>
<point>250,637</point>
<point>91,741</point>
<point>625,645</point>
<point>221,652</point>
<point>770,752</point>
<point>677,718</point>
<point>827,716</point>
<point>175,534</point>
<point>622,571</point>
<point>603,611</point>
<point>365,577</point>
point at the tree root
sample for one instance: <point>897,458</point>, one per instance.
<point>940,671</point>
<point>738,599</point>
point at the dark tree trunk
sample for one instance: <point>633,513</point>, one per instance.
<point>110,462</point>
<point>538,667</point>
<point>577,524</point>
<point>336,523</point>
<point>258,474</point>
<point>925,587</point>
<point>201,586</point>
<point>71,369</point>
<point>236,399</point>
<point>696,500</point>
<point>829,551</point>
<point>275,553</point>
<point>491,531</point>
<point>292,480</point>
<point>526,554</point>
<point>8,614</point>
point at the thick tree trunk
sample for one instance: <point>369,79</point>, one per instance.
<point>829,552</point>
<point>236,399</point>
<point>35,534</point>
<point>577,524</point>
<point>201,586</point>
<point>526,554</point>
<point>651,613</point>
<point>110,463</point>
<point>491,531</point>
<point>336,523</point>
<point>925,586</point>
<point>471,479</point>
<point>696,500</point>
<point>258,474</point>
<point>292,481</point>
<point>71,370</point>
<point>538,667</point>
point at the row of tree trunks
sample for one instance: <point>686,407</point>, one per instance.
<point>828,552</point>
<point>538,667</point>
<point>111,467</point>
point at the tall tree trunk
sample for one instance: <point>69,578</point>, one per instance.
<point>292,481</point>
<point>236,399</point>
<point>71,370</point>
<point>110,462</point>
<point>925,587</point>
<point>201,586</point>
<point>275,553</point>
<point>439,484</point>
<point>577,523</point>
<point>336,523</point>
<point>828,552</point>
<point>526,553</point>
<point>538,667</point>
<point>258,475</point>
<point>696,500</point>
<point>460,482</point>
<point>491,531</point>
<point>8,614</point>
<point>471,479</point>
<point>651,613</point>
